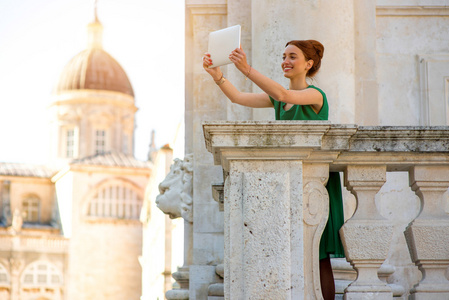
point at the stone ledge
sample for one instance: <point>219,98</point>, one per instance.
<point>398,147</point>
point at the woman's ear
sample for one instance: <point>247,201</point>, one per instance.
<point>309,64</point>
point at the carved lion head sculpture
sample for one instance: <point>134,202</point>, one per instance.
<point>175,198</point>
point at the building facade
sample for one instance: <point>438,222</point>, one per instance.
<point>384,64</point>
<point>71,229</point>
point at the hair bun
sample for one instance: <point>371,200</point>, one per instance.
<point>319,48</point>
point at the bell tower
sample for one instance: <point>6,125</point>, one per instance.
<point>92,110</point>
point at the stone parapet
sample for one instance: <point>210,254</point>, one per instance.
<point>33,244</point>
<point>275,204</point>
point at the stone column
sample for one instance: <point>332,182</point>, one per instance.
<point>367,235</point>
<point>239,12</point>
<point>366,89</point>
<point>17,265</point>
<point>263,230</point>
<point>428,235</point>
<point>204,101</point>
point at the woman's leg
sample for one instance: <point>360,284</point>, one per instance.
<point>327,279</point>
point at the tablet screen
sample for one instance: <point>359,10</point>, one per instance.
<point>221,43</point>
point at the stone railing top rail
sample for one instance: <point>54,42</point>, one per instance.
<point>390,145</point>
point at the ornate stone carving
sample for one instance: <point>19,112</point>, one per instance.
<point>17,265</point>
<point>315,213</point>
<point>313,209</point>
<point>175,198</point>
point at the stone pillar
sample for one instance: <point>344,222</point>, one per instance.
<point>263,230</point>
<point>204,101</point>
<point>239,12</point>
<point>428,235</point>
<point>17,265</point>
<point>366,89</point>
<point>367,235</point>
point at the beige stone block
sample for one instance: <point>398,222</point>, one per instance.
<point>207,248</point>
<point>211,220</point>
<point>204,177</point>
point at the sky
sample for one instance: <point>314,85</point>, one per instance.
<point>39,37</point>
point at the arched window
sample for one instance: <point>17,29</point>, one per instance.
<point>4,276</point>
<point>117,200</point>
<point>31,209</point>
<point>41,273</point>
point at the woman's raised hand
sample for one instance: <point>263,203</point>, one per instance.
<point>214,72</point>
<point>238,57</point>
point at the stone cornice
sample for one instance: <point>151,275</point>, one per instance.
<point>93,97</point>
<point>401,139</point>
<point>397,147</point>
<point>304,134</point>
<point>427,8</point>
<point>215,8</point>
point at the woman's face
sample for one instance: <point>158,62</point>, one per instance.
<point>294,62</point>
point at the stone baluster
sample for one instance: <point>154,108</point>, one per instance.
<point>428,235</point>
<point>367,235</point>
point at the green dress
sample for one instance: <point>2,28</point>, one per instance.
<point>330,245</point>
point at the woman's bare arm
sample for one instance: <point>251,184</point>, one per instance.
<point>272,88</point>
<point>256,100</point>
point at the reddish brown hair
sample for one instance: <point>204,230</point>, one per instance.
<point>313,50</point>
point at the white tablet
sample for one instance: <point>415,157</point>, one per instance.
<point>222,43</point>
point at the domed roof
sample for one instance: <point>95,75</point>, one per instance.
<point>94,69</point>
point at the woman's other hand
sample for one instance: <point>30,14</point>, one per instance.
<point>214,72</point>
<point>238,57</point>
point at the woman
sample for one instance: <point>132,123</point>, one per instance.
<point>301,101</point>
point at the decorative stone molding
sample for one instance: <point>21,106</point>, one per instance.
<point>315,204</point>
<point>344,274</point>
<point>218,195</point>
<point>17,265</point>
<point>182,279</point>
<point>175,198</point>
<point>407,8</point>
<point>217,7</point>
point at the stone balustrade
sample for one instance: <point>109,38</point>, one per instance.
<point>276,205</point>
